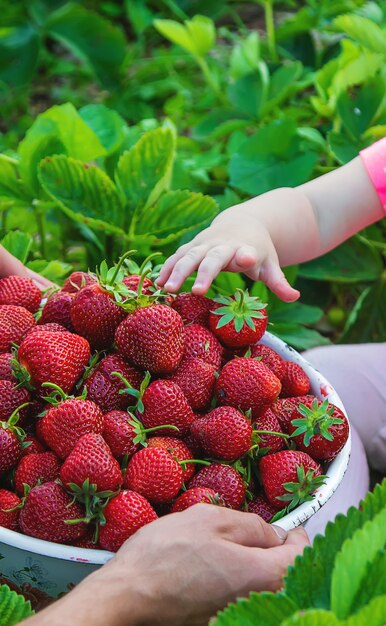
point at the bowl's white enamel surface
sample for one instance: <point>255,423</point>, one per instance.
<point>53,568</point>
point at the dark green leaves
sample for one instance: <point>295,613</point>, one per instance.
<point>19,50</point>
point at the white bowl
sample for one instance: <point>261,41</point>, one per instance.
<point>42,570</point>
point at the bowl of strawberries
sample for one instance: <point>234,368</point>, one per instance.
<point>120,403</point>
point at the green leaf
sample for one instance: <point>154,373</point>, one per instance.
<point>53,270</point>
<point>294,312</point>
<point>298,336</point>
<point>93,38</point>
<point>226,284</point>
<point>84,192</point>
<point>363,31</point>
<point>367,320</point>
<point>357,108</point>
<point>351,563</point>
<point>245,55</point>
<point>196,36</point>
<point>343,149</point>
<point>350,262</point>
<point>374,614</point>
<point>313,618</point>
<point>248,93</point>
<point>58,130</point>
<point>282,82</point>
<point>314,591</point>
<point>373,582</point>
<point>13,607</point>
<point>175,213</point>
<point>144,171</point>
<point>17,243</point>
<point>19,51</point>
<point>107,125</point>
<point>264,609</point>
<point>10,183</point>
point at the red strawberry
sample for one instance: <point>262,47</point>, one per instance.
<point>224,433</point>
<point>268,422</point>
<point>295,381</point>
<point>11,397</point>
<point>270,358</point>
<point>193,496</point>
<point>95,315</point>
<point>164,402</point>
<point>35,469</point>
<point>197,379</point>
<point>238,321</point>
<point>262,507</point>
<point>20,291</point>
<point>87,541</point>
<point>45,513</point>
<point>152,338</point>
<point>78,280</point>
<point>63,425</point>
<point>6,371</point>
<point>57,310</point>
<point>9,514</point>
<point>132,283</point>
<point>319,428</point>
<point>154,473</point>
<point>199,342</point>
<point>283,408</point>
<point>289,478</point>
<point>193,309</point>
<point>224,480</point>
<point>247,384</point>
<point>15,321</point>
<point>91,460</point>
<point>51,327</point>
<point>179,451</point>
<point>119,432</point>
<point>11,442</point>
<point>125,514</point>
<point>103,387</point>
<point>58,358</point>
<point>34,446</point>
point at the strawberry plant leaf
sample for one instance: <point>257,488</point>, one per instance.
<point>313,617</point>
<point>367,318</point>
<point>174,214</point>
<point>265,609</point>
<point>144,171</point>
<point>108,125</point>
<point>84,192</point>
<point>17,243</point>
<point>19,51</point>
<point>196,36</point>
<point>357,107</point>
<point>314,590</point>
<point>92,38</point>
<point>351,563</point>
<point>373,582</point>
<point>298,336</point>
<point>374,613</point>
<point>363,30</point>
<point>13,607</point>
<point>10,183</point>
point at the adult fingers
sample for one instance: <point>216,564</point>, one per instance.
<point>214,261</point>
<point>10,265</point>
<point>185,266</point>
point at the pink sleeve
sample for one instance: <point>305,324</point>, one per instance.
<point>374,159</point>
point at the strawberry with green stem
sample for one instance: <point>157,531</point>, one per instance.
<point>11,441</point>
<point>196,495</point>
<point>104,387</point>
<point>141,278</point>
<point>319,428</point>
<point>238,321</point>
<point>224,480</point>
<point>95,311</point>
<point>289,478</point>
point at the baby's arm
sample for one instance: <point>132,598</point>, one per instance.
<point>279,228</point>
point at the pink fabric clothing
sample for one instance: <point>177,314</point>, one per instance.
<point>374,159</point>
<point>358,373</point>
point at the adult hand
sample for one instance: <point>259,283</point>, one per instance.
<point>180,570</point>
<point>11,266</point>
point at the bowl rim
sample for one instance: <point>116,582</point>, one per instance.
<point>335,472</point>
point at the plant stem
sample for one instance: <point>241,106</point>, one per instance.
<point>270,29</point>
<point>41,229</point>
<point>210,80</point>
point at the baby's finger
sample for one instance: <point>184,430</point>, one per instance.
<point>215,260</point>
<point>184,267</point>
<point>272,275</point>
<point>245,258</point>
<point>169,264</point>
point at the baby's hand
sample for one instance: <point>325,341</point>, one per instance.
<point>235,242</point>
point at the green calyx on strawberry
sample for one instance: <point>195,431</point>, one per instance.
<point>301,490</point>
<point>242,309</point>
<point>238,321</point>
<point>317,420</point>
<point>141,432</point>
<point>11,425</point>
<point>94,501</point>
<point>136,393</point>
<point>110,279</point>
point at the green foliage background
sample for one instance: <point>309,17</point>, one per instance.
<point>130,124</point>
